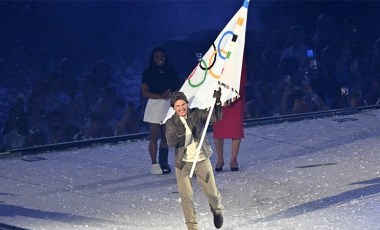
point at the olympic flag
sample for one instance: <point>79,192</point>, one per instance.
<point>219,67</point>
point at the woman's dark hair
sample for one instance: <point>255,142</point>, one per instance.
<point>152,64</point>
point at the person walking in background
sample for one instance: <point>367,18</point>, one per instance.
<point>231,127</point>
<point>183,131</point>
<point>159,80</point>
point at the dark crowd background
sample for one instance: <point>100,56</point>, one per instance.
<point>71,70</point>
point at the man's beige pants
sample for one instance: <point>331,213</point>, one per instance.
<point>205,177</point>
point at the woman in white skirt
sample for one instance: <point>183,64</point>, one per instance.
<point>159,80</point>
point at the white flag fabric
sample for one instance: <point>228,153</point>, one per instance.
<point>219,67</point>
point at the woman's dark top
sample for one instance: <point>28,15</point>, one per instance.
<point>159,80</point>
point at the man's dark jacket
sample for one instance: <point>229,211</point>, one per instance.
<point>196,119</point>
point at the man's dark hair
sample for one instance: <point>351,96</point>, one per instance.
<point>177,96</point>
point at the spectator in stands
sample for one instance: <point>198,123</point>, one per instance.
<point>16,127</point>
<point>356,37</point>
<point>376,60</point>
<point>76,116</point>
<point>297,47</point>
<point>102,121</point>
<point>289,71</point>
<point>326,35</point>
<point>66,69</point>
<point>374,91</point>
<point>262,102</point>
<point>98,126</point>
<point>57,97</point>
<point>102,74</point>
<point>90,91</point>
<point>358,46</point>
<point>325,82</point>
<point>276,44</point>
<point>130,122</point>
<point>352,100</point>
<point>56,126</point>
<point>36,108</point>
<point>250,110</point>
<point>299,97</point>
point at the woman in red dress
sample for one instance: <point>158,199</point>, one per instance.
<point>231,126</point>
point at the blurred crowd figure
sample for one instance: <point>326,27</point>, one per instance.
<point>301,73</point>
<point>63,109</point>
<point>297,71</point>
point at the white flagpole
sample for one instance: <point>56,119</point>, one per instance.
<point>202,138</point>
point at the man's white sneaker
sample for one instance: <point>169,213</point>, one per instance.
<point>156,169</point>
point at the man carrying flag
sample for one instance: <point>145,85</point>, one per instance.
<point>187,121</point>
<point>183,131</point>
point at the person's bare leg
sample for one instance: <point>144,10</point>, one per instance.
<point>235,150</point>
<point>219,152</point>
<point>154,131</point>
